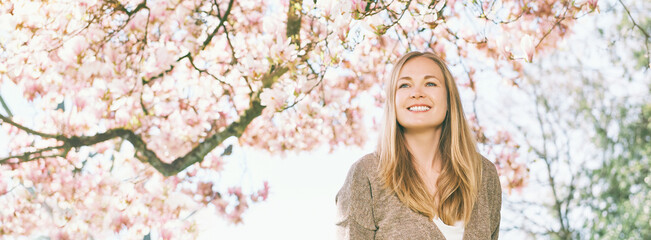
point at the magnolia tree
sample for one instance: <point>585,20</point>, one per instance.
<point>134,98</point>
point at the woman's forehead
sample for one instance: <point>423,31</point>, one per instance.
<point>420,66</point>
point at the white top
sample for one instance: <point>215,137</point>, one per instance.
<point>454,232</point>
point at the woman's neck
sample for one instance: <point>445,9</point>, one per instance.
<point>423,145</point>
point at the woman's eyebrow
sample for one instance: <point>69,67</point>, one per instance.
<point>432,76</point>
<point>408,78</point>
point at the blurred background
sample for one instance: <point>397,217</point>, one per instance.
<point>279,98</point>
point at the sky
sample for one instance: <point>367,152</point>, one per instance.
<point>301,202</point>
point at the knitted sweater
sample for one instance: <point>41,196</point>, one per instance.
<point>368,211</point>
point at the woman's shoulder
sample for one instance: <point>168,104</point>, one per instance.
<point>490,177</point>
<point>368,161</point>
<point>355,198</point>
<point>363,166</point>
<point>488,168</point>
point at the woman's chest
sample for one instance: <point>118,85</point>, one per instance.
<point>395,220</point>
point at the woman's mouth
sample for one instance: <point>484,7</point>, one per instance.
<point>418,109</point>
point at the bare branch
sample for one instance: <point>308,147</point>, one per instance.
<point>204,45</point>
<point>222,20</point>
<point>4,105</point>
<point>230,44</point>
<point>558,22</point>
<point>30,131</point>
<point>397,18</point>
<point>320,77</point>
<point>130,14</point>
<point>31,156</point>
<point>369,11</point>
<point>564,230</point>
<point>120,7</point>
<point>507,21</point>
<point>646,35</point>
<point>189,56</point>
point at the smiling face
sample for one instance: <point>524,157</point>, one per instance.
<point>421,95</point>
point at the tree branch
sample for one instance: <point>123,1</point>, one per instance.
<point>29,156</point>
<point>204,45</point>
<point>4,105</point>
<point>144,154</point>
<point>222,20</point>
<point>30,131</point>
<point>563,232</point>
<point>200,151</point>
<point>646,35</point>
<point>230,44</point>
<point>560,19</point>
<point>189,56</point>
<point>118,6</point>
<point>294,22</point>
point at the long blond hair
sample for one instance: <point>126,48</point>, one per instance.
<point>458,183</point>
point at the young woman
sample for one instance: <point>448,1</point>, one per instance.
<point>426,179</point>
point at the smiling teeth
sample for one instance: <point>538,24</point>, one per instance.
<point>419,109</point>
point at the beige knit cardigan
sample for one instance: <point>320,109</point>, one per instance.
<point>367,211</point>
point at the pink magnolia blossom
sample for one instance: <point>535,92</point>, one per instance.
<point>273,98</point>
<point>592,4</point>
<point>3,186</point>
<point>72,49</point>
<point>329,7</point>
<point>527,45</point>
<point>359,5</point>
<point>262,194</point>
<point>503,48</point>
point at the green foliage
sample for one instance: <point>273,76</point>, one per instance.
<point>638,30</point>
<point>640,56</point>
<point>609,194</point>
<point>641,59</point>
<point>621,195</point>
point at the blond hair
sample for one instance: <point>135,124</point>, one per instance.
<point>460,177</point>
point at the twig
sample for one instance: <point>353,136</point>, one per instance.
<point>646,35</point>
<point>633,20</point>
<point>560,19</point>
<point>30,131</point>
<point>4,105</point>
<point>222,20</point>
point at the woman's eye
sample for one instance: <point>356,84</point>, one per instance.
<point>431,84</point>
<point>403,85</point>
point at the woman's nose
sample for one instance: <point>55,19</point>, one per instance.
<point>417,93</point>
